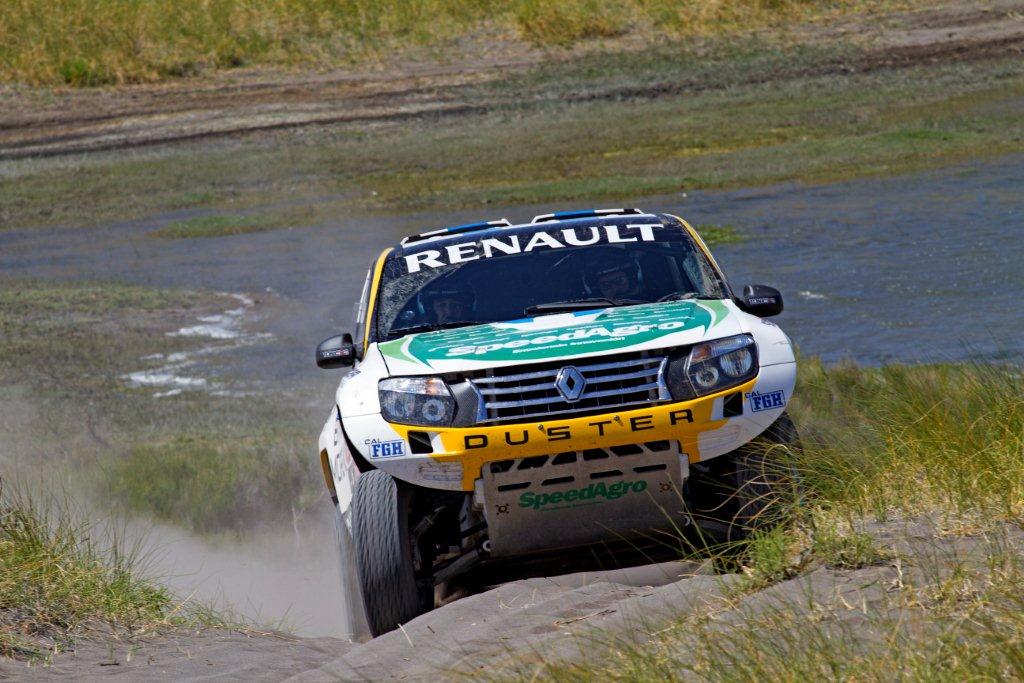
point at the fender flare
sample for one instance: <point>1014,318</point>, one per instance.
<point>340,462</point>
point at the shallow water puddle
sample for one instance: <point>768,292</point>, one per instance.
<point>226,326</point>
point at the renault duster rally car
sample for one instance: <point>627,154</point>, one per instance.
<point>522,396</point>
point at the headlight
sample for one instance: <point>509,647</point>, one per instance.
<point>425,401</point>
<point>713,366</point>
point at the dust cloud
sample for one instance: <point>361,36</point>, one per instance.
<point>283,579</point>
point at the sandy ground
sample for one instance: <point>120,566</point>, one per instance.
<point>553,619</point>
<point>49,123</point>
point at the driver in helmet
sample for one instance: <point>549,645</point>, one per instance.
<point>448,303</point>
<point>614,275</point>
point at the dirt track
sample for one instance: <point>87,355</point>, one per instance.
<point>554,619</point>
<point>37,124</point>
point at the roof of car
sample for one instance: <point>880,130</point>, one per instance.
<point>481,229</point>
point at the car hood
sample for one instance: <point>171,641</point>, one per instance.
<point>562,336</point>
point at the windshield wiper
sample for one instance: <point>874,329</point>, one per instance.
<point>685,296</point>
<point>580,305</point>
<point>431,327</point>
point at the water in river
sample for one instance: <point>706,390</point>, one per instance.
<point>914,268</point>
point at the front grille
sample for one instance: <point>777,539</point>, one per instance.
<point>509,394</point>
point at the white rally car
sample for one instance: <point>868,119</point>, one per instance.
<point>533,398</point>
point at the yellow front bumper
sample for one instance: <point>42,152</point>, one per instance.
<point>472,447</point>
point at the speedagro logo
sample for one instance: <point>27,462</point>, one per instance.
<point>584,334</point>
<point>594,492</point>
<point>533,339</point>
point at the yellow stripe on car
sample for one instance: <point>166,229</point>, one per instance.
<point>377,273</point>
<point>700,243</point>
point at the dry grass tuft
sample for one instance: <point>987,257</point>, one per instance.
<point>58,574</point>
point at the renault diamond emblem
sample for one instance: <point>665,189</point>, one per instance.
<point>570,383</point>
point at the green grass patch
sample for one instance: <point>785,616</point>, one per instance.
<point>714,235</point>
<point>39,300</point>
<point>212,483</point>
<point>847,549</point>
<point>90,42</point>
<point>236,224</point>
<point>912,439</point>
<point>768,557</point>
<point>568,21</point>
<point>90,330</point>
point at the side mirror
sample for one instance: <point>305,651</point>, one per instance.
<point>336,352</point>
<point>761,300</point>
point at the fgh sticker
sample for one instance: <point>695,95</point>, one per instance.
<point>768,400</point>
<point>386,449</point>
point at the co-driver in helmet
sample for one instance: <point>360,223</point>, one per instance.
<point>614,274</point>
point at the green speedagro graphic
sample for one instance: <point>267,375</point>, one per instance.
<point>593,494</point>
<point>588,332</point>
<point>519,393</point>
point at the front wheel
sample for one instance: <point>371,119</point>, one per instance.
<point>383,551</point>
<point>754,487</point>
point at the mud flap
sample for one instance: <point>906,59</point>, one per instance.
<point>577,498</point>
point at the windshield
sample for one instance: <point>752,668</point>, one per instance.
<point>515,273</point>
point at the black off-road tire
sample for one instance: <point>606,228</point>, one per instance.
<point>355,614</point>
<point>767,484</point>
<point>754,487</point>
<point>384,563</point>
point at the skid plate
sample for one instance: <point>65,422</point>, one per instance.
<point>577,498</point>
